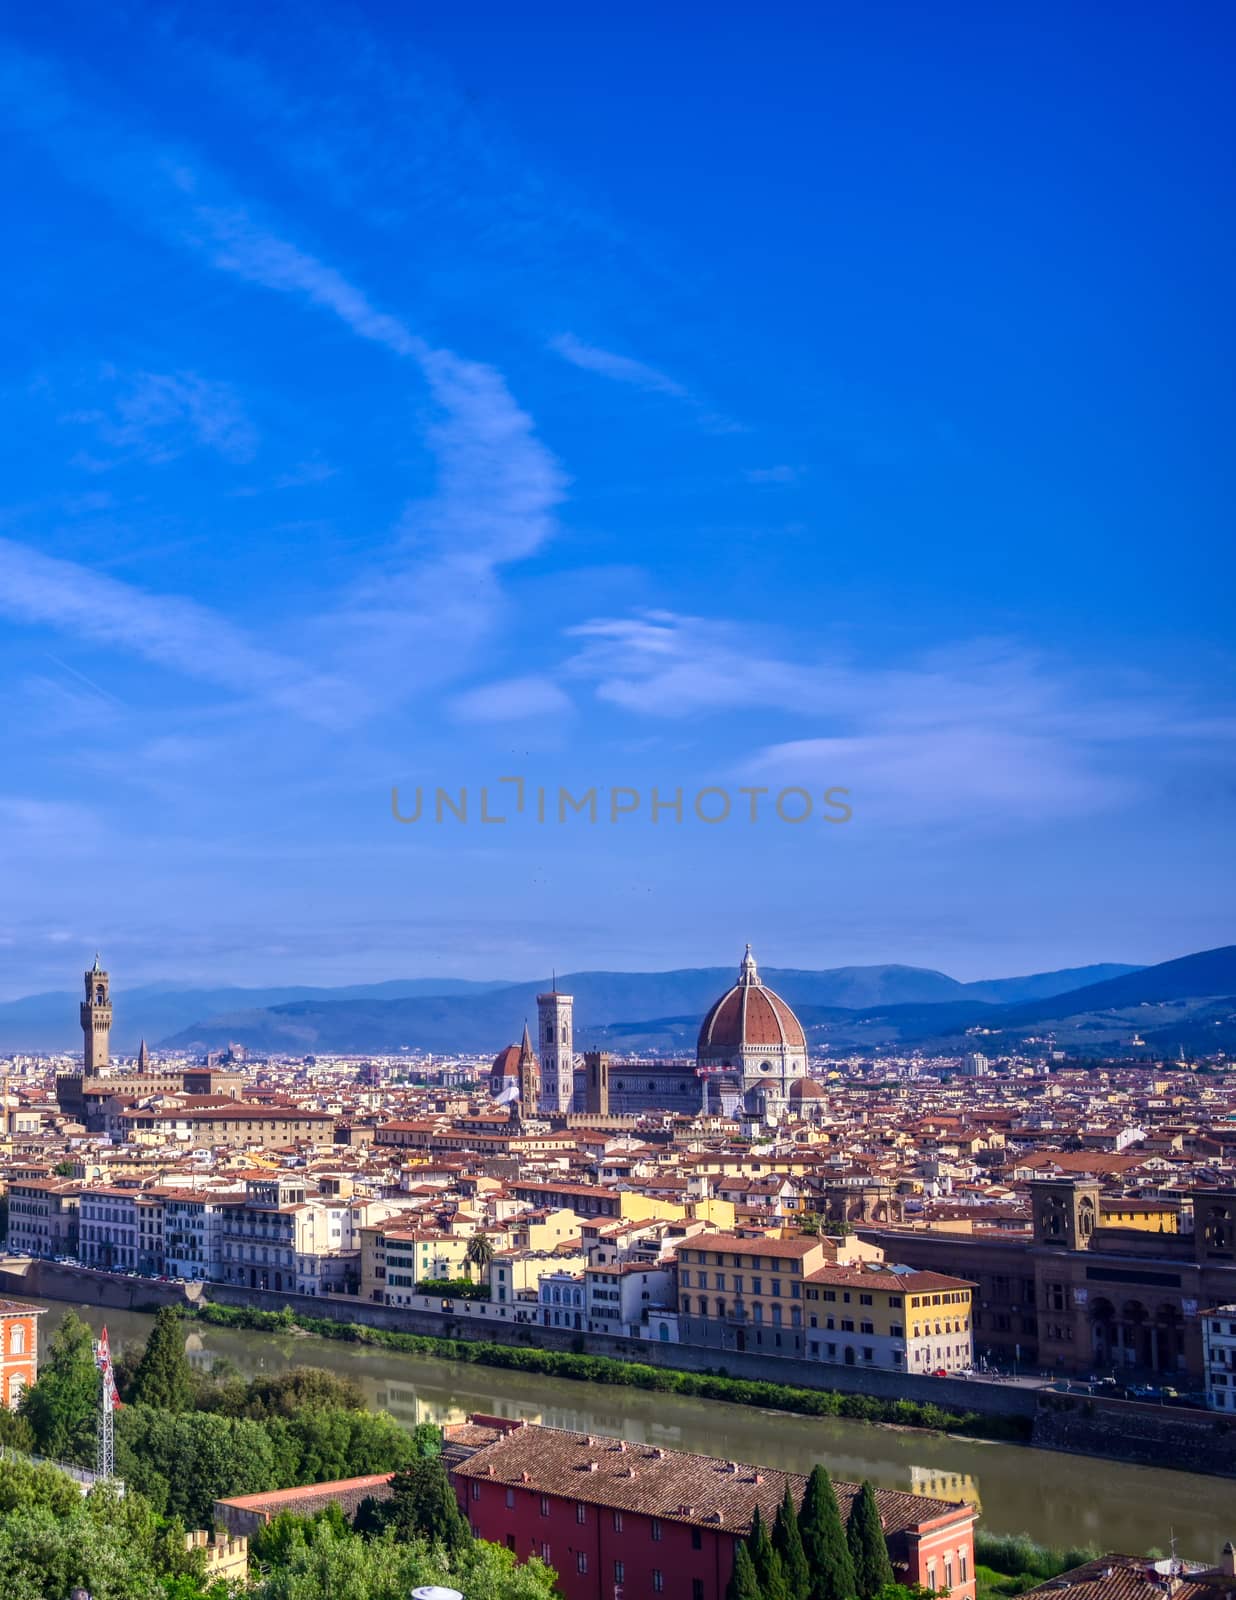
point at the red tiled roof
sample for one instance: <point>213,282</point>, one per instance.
<point>675,1485</point>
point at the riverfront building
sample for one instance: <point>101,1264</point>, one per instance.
<point>19,1349</point>
<point>1078,1294</point>
<point>634,1518</point>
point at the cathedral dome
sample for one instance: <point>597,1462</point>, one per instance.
<point>749,1017</point>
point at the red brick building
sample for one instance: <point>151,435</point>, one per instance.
<point>19,1349</point>
<point>621,1521</point>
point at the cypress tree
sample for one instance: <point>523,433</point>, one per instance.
<point>788,1543</point>
<point>868,1551</point>
<point>824,1541</point>
<point>422,1504</point>
<point>162,1377</point>
<point>743,1584</point>
<point>767,1563</point>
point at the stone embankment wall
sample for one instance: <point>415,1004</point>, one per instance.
<point>1151,1435</point>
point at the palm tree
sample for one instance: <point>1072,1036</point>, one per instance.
<point>480,1252</point>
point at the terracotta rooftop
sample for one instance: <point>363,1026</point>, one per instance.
<point>674,1485</point>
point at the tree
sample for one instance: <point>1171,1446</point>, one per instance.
<point>480,1252</point>
<point>788,1543</point>
<point>824,1541</point>
<point>868,1551</point>
<point>766,1561</point>
<point>163,1377</point>
<point>420,1505</point>
<point>62,1408</point>
<point>743,1584</point>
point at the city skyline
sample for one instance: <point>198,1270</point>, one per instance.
<point>382,412</point>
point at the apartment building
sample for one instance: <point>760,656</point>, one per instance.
<point>1219,1357</point>
<point>636,1519</point>
<point>110,1229</point>
<point>193,1227</point>
<point>43,1216</point>
<point>873,1315</point>
<point>19,1349</point>
<point>395,1256</point>
<point>276,1239</point>
<point>740,1293</point>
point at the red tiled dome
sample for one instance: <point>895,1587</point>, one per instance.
<point>506,1063</point>
<point>750,1014</point>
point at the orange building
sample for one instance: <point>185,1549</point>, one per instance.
<point>19,1349</point>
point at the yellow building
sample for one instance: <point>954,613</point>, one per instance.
<point>873,1315</point>
<point>1148,1216</point>
<point>398,1257</point>
<point>742,1293</point>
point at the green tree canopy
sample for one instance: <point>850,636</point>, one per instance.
<point>824,1541</point>
<point>420,1505</point>
<point>743,1584</point>
<point>163,1377</point>
<point>766,1561</point>
<point>62,1408</point>
<point>327,1565</point>
<point>868,1550</point>
<point>788,1543</point>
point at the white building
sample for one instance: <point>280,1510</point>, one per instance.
<point>109,1231</point>
<point>279,1240</point>
<point>193,1227</point>
<point>560,1297</point>
<point>1219,1357</point>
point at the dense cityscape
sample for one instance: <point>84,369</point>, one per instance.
<point>1020,1246</point>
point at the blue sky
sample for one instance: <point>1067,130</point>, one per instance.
<point>621,396</point>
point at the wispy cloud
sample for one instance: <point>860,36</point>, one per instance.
<point>511,700</point>
<point>984,731</point>
<point>622,369</point>
<point>416,615</point>
<point>625,369</point>
<point>174,632</point>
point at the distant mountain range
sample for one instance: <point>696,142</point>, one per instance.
<point>1185,1003</point>
<point>151,1011</point>
<point>607,1008</point>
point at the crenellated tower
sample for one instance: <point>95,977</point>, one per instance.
<point>96,1021</point>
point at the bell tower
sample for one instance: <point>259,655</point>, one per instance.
<point>1065,1212</point>
<point>556,1039</point>
<point>96,1021</point>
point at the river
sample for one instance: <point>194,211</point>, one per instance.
<point>1057,1499</point>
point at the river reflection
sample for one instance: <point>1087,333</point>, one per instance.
<point>1057,1499</point>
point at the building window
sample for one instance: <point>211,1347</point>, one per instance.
<point>655,1529</point>
<point>510,1499</point>
<point>697,1589</point>
<point>697,1539</point>
<point>617,1521</point>
<point>544,1505</point>
<point>581,1511</point>
<point>961,1557</point>
<point>620,1571</point>
<point>581,1561</point>
<point>658,1580</point>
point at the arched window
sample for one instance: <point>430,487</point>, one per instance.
<point>16,1384</point>
<point>17,1339</point>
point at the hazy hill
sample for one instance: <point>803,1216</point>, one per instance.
<point>608,1009</point>
<point>48,1022</point>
